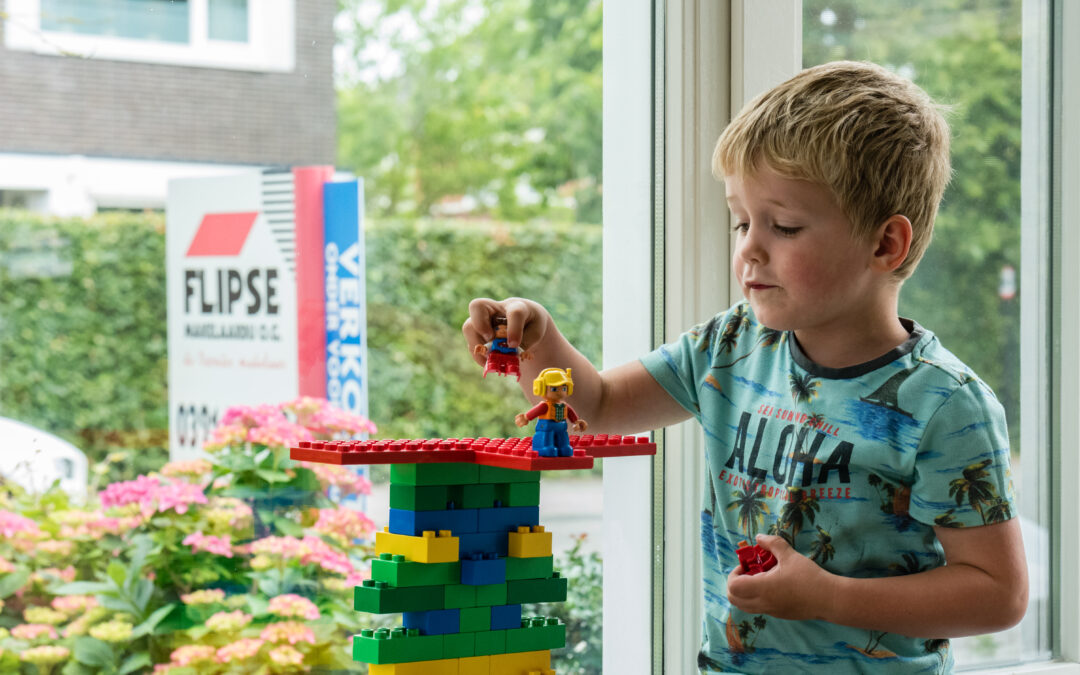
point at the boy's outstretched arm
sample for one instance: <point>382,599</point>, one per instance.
<point>983,588</point>
<point>623,400</point>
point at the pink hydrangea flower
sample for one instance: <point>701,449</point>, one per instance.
<point>32,631</point>
<point>309,551</point>
<point>73,604</point>
<point>286,656</point>
<point>191,654</point>
<point>344,522</point>
<point>343,478</point>
<point>288,631</point>
<point>239,650</point>
<point>205,597</point>
<point>6,567</point>
<point>292,605</point>
<point>228,621</point>
<point>12,524</point>
<point>152,494</point>
<point>217,545</point>
<point>191,468</point>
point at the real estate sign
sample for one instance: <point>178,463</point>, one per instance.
<point>249,301</point>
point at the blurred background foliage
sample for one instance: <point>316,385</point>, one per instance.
<point>83,340</point>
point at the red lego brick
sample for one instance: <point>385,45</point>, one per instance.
<point>754,559</point>
<point>510,453</point>
<point>604,445</point>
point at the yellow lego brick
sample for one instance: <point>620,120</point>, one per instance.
<point>437,667</point>
<point>530,544</point>
<point>474,665</point>
<point>427,548</point>
<point>521,663</point>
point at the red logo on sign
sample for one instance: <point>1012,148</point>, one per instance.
<point>222,234</point>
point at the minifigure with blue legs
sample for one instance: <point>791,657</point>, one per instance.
<point>552,414</point>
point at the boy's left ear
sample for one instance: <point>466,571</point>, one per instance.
<point>893,243</point>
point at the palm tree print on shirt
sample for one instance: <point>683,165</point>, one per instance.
<point>821,549</point>
<point>752,510</point>
<point>733,328</point>
<point>799,509</point>
<point>803,387</point>
<point>981,494</point>
<point>767,337</point>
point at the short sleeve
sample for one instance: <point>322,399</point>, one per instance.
<point>962,472</point>
<point>680,367</point>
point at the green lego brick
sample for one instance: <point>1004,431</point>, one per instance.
<point>497,474</point>
<point>396,646</point>
<point>459,596</point>
<point>401,573</point>
<point>527,568</point>
<point>376,597</point>
<point>459,645</point>
<point>419,497</point>
<point>518,494</point>
<point>536,634</point>
<point>491,642</point>
<point>478,496</point>
<point>521,591</point>
<point>496,594</point>
<point>435,474</point>
<point>475,619</point>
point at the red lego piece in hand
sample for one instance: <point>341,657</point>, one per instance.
<point>754,559</point>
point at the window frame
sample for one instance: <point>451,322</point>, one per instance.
<point>711,58</point>
<point>270,47</point>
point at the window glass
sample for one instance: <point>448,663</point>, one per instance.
<point>228,20</point>
<point>475,128</point>
<point>161,20</point>
<point>968,57</point>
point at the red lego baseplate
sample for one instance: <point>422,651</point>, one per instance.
<point>754,559</point>
<point>509,453</point>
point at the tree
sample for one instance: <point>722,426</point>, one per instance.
<point>499,102</point>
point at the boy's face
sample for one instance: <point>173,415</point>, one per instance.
<point>795,257</point>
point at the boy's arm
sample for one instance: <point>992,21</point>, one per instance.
<point>983,588</point>
<point>623,400</point>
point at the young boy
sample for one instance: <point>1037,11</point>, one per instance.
<point>841,438</point>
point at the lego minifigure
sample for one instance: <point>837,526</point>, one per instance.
<point>552,414</point>
<point>500,357</point>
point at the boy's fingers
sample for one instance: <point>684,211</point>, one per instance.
<point>480,312</point>
<point>525,324</point>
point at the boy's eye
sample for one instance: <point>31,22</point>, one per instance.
<point>740,227</point>
<point>787,231</point>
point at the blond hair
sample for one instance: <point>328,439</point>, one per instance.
<point>874,139</point>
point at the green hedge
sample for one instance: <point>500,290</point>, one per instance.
<point>83,334</point>
<point>82,328</point>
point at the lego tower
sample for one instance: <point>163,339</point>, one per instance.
<point>463,552</point>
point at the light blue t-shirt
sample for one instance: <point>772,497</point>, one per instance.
<point>853,466</point>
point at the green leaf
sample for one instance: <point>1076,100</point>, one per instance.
<point>117,572</point>
<point>148,626</point>
<point>144,589</point>
<point>273,476</point>
<point>13,582</point>
<point>84,588</point>
<point>135,662</point>
<point>94,652</point>
<point>288,527</point>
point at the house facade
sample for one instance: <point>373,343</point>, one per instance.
<point>103,101</point>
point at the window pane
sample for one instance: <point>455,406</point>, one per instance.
<point>967,56</point>
<point>161,20</point>
<point>229,20</point>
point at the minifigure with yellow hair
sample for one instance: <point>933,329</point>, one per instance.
<point>552,414</point>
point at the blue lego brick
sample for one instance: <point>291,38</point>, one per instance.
<point>480,570</point>
<point>506,617</point>
<point>435,622</point>
<point>507,518</point>
<point>413,523</point>
<point>484,542</point>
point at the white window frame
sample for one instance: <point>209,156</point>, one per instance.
<point>270,47</point>
<point>715,57</point>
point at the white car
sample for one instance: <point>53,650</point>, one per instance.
<point>34,459</point>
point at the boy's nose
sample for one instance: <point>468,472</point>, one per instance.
<point>749,249</point>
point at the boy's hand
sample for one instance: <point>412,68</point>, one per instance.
<point>526,324</point>
<point>795,589</point>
